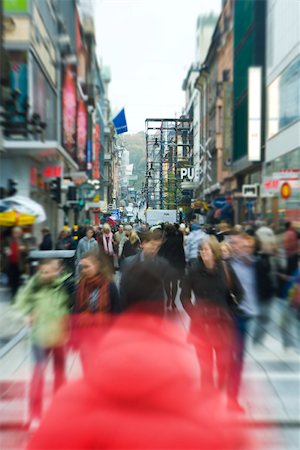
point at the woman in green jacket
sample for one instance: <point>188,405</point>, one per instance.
<point>44,304</point>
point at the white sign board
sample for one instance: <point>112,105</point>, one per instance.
<point>254,113</point>
<point>157,216</point>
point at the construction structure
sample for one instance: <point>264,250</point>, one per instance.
<point>169,148</point>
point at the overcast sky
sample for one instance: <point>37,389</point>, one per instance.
<point>149,46</point>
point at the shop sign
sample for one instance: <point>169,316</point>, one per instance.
<point>250,190</point>
<point>287,174</point>
<point>286,191</point>
<point>187,172</point>
<point>69,111</point>
<point>97,147</point>
<point>81,133</point>
<point>52,172</point>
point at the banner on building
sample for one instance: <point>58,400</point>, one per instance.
<point>254,113</point>
<point>120,123</point>
<point>82,125</point>
<point>69,103</point>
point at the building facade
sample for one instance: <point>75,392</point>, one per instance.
<point>282,157</point>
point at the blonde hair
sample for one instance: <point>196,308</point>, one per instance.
<point>133,238</point>
<point>213,242</point>
<point>226,246</point>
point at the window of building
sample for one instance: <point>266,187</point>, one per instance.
<point>284,99</point>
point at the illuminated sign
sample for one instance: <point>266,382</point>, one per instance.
<point>254,113</point>
<point>286,191</point>
<point>52,172</point>
<point>69,111</point>
<point>81,134</point>
<point>97,147</point>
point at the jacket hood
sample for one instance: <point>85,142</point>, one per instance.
<point>146,351</point>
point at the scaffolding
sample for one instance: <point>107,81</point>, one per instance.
<point>169,147</point>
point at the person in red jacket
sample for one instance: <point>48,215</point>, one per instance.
<point>141,391</point>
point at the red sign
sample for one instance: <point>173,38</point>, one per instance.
<point>271,184</point>
<point>52,172</point>
<point>97,147</point>
<point>81,133</point>
<point>69,111</point>
<point>285,191</point>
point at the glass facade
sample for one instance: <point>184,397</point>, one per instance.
<point>284,99</point>
<point>286,210</point>
<point>44,101</point>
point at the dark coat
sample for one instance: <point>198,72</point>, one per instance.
<point>130,249</point>
<point>143,280</point>
<point>266,277</point>
<point>172,251</point>
<point>209,286</point>
<point>46,243</point>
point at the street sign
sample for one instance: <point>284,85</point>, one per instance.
<point>250,190</point>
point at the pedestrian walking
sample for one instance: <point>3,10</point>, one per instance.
<point>192,242</point>
<point>211,324</point>
<point>44,303</point>
<point>87,243</point>
<point>131,246</point>
<point>291,247</point>
<point>267,282</point>
<point>172,251</point>
<point>46,243</point>
<point>97,298</point>
<point>15,251</point>
<point>244,265</point>
<point>107,243</point>
<point>144,274</point>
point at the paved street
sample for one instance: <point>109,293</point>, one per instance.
<point>270,390</point>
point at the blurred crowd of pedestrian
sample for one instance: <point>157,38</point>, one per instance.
<point>226,279</point>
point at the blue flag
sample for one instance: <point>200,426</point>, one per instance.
<point>120,123</point>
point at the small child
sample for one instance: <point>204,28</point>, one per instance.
<point>44,303</point>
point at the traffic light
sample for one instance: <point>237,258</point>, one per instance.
<point>55,189</point>
<point>72,194</point>
<point>11,187</point>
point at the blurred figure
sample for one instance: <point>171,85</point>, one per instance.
<point>63,241</point>
<point>244,265</point>
<point>107,243</point>
<point>210,318</point>
<point>143,379</point>
<point>15,251</point>
<point>172,251</point>
<point>44,303</point>
<point>226,250</point>
<point>46,243</point>
<point>291,247</point>
<point>134,287</point>
<point>86,244</point>
<point>127,231</point>
<point>96,299</point>
<point>131,246</point>
<point>119,235</point>
<point>266,274</point>
<point>192,242</point>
